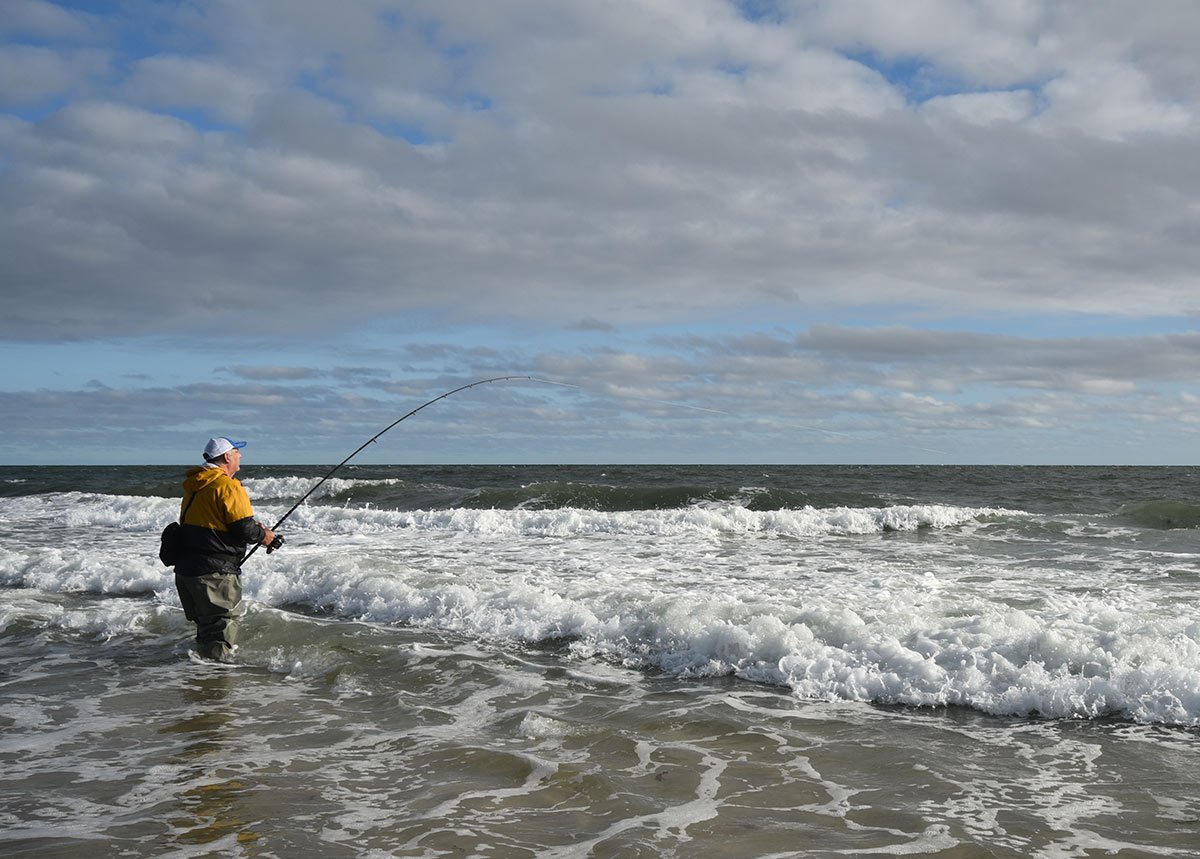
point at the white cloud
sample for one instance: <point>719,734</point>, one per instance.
<point>42,19</point>
<point>93,126</point>
<point>991,43</point>
<point>1112,101</point>
<point>170,82</point>
<point>31,73</point>
<point>981,108</point>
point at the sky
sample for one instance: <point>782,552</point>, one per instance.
<point>763,231</point>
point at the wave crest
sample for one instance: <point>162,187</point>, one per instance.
<point>711,519</point>
<point>1162,515</point>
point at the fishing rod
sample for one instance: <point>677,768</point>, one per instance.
<point>375,438</point>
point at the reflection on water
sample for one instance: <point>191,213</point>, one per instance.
<point>210,811</point>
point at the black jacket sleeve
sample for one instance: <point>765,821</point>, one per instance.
<point>247,531</point>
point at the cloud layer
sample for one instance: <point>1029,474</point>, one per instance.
<point>630,163</point>
<point>949,214</point>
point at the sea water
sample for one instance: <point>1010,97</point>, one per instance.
<point>612,661</point>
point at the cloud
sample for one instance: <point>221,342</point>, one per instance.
<point>591,324</point>
<point>627,163</point>
<point>175,82</point>
<point>887,394</point>
<point>39,19</point>
<point>863,217</point>
<point>30,74</point>
<point>983,44</point>
<point>271,373</point>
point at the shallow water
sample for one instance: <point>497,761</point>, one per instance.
<point>722,677</point>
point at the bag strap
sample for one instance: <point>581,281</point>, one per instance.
<point>185,508</point>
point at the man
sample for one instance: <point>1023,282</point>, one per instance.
<point>217,526</point>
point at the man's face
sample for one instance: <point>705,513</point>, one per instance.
<point>234,458</point>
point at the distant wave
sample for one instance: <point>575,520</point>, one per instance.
<point>293,488</point>
<point>140,513</point>
<point>543,495</point>
<point>1162,514</point>
<point>711,518</point>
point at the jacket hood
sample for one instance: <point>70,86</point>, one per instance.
<point>197,478</point>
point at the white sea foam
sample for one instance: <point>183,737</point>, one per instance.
<point>836,639</point>
<point>712,519</point>
<point>296,487</point>
<point>138,513</point>
<point>825,602</point>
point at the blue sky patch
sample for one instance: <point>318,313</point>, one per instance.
<point>917,78</point>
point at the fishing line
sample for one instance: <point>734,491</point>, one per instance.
<point>375,438</point>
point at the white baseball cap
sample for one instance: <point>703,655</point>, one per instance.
<point>219,446</point>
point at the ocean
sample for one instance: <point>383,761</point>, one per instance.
<point>612,661</point>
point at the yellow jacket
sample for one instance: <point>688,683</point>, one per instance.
<point>218,523</point>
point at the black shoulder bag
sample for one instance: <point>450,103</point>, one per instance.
<point>170,547</point>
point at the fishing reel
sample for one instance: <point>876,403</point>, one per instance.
<point>275,544</point>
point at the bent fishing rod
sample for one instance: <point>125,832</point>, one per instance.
<point>375,438</point>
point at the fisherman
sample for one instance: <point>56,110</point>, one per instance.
<point>217,526</point>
